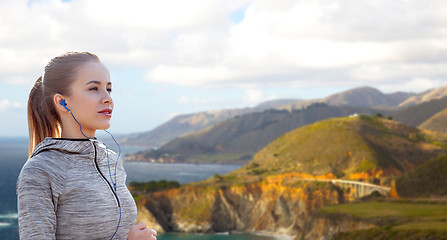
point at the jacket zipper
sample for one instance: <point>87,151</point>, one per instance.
<point>100,173</point>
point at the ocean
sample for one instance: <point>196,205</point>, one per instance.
<point>14,152</point>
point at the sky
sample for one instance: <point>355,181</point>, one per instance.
<point>176,57</point>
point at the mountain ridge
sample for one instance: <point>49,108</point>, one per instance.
<point>243,135</point>
<point>188,123</point>
<point>415,115</point>
<point>425,96</point>
<point>361,97</point>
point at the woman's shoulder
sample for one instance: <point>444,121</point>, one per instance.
<point>47,162</point>
<point>42,172</point>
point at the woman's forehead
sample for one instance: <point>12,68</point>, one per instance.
<point>93,72</point>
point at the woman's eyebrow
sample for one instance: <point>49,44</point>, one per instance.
<point>97,82</point>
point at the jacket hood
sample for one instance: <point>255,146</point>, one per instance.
<point>69,146</point>
<point>83,148</point>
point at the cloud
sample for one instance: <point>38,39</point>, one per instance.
<point>412,85</point>
<point>233,43</point>
<point>6,105</point>
<point>133,33</point>
<point>248,97</point>
<point>255,96</point>
<point>294,42</point>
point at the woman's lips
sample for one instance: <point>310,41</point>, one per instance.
<point>106,112</point>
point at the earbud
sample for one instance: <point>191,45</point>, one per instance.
<point>63,103</point>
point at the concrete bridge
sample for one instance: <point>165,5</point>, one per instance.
<point>360,189</point>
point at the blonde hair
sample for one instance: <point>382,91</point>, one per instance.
<point>59,74</point>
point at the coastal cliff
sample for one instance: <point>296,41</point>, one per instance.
<point>324,164</point>
<point>277,205</point>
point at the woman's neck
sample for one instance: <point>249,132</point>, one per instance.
<point>75,133</point>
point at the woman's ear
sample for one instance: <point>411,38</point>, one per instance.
<point>58,98</point>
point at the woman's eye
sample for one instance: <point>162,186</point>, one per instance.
<point>93,89</point>
<point>109,90</point>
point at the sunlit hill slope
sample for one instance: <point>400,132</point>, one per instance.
<point>346,146</point>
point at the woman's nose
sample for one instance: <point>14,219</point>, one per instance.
<point>107,99</point>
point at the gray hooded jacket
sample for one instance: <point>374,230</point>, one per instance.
<point>65,191</point>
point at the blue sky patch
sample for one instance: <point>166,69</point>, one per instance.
<point>238,15</point>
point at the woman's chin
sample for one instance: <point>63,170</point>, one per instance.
<point>103,126</point>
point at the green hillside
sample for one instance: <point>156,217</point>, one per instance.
<point>247,134</point>
<point>343,146</point>
<point>401,219</point>
<point>436,123</point>
<point>427,179</point>
<point>251,132</point>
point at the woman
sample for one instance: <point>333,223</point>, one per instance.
<point>72,186</point>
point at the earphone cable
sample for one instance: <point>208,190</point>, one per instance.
<point>116,162</point>
<point>80,128</point>
<point>108,164</point>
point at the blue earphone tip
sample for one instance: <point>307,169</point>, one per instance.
<point>63,103</point>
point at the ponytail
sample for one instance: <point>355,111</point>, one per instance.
<point>59,74</point>
<point>42,120</point>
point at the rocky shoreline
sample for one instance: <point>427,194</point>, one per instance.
<point>276,208</point>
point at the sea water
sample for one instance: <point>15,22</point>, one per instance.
<point>14,152</point>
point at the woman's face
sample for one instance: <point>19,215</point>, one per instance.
<point>90,100</point>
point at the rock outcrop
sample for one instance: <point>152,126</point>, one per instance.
<point>278,206</point>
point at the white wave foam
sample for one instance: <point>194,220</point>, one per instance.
<point>4,224</point>
<point>9,216</point>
